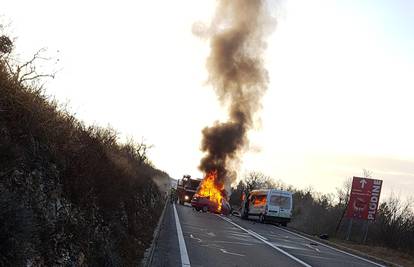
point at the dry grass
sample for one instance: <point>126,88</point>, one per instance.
<point>387,254</point>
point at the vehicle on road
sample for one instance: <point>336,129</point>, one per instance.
<point>268,205</point>
<point>203,203</point>
<point>186,188</point>
<point>173,195</point>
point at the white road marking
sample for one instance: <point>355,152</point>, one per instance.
<point>288,247</point>
<point>231,253</point>
<point>237,243</point>
<point>256,235</point>
<point>185,261</point>
<point>240,234</point>
<point>312,247</point>
<point>196,238</point>
<point>338,250</point>
<point>318,257</point>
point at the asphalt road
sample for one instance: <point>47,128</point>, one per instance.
<point>206,239</point>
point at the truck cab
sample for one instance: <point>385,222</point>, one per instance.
<point>186,188</point>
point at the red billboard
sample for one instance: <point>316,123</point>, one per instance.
<point>364,198</point>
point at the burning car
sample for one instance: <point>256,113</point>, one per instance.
<point>211,196</point>
<point>203,203</point>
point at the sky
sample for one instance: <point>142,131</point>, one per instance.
<point>339,99</point>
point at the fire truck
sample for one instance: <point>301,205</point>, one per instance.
<point>186,188</point>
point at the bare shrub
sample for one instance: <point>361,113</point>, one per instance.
<point>76,193</point>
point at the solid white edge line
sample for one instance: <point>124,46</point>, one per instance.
<point>257,236</point>
<point>347,253</point>
<point>185,261</point>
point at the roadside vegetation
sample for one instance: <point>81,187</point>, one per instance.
<point>316,214</point>
<point>70,194</point>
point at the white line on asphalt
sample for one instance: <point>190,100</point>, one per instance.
<point>322,244</point>
<point>313,248</point>
<point>254,233</point>
<point>231,253</point>
<point>261,238</point>
<point>185,261</point>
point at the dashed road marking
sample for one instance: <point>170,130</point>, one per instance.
<point>231,253</point>
<point>313,248</point>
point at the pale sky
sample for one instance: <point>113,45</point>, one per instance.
<point>339,100</point>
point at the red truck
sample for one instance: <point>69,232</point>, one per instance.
<point>186,188</point>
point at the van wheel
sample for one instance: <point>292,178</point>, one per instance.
<point>284,224</point>
<point>262,218</point>
<point>205,209</point>
<point>197,209</point>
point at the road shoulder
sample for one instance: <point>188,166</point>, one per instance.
<point>346,249</point>
<point>166,252</point>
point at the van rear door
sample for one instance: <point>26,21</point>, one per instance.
<point>280,205</point>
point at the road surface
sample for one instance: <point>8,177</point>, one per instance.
<point>191,238</point>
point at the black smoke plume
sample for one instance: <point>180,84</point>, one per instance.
<point>237,74</point>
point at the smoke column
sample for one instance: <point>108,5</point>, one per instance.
<point>237,74</point>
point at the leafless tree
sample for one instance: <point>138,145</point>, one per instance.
<point>139,150</point>
<point>22,72</point>
<point>28,71</point>
<point>343,198</point>
<point>6,45</point>
<point>344,191</point>
<point>256,180</point>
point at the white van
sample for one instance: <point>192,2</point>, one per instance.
<point>268,205</point>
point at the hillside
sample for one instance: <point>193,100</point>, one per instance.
<point>70,194</point>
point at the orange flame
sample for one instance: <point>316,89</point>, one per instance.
<point>259,201</point>
<point>212,189</point>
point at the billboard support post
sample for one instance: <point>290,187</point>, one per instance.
<point>366,232</point>
<point>348,234</point>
